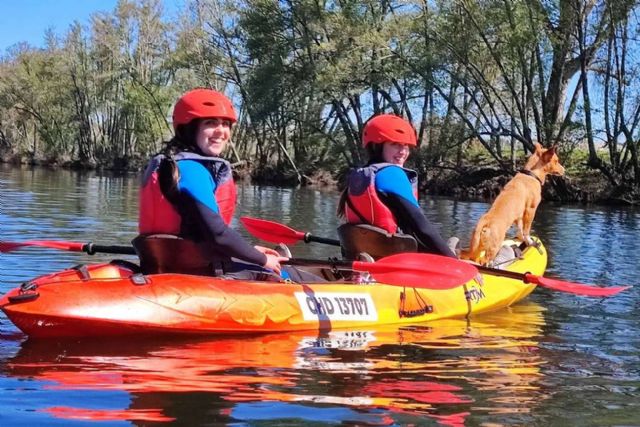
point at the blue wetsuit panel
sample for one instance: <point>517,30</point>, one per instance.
<point>393,180</point>
<point>197,182</point>
<point>395,191</point>
<point>201,220</point>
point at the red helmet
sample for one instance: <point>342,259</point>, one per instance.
<point>201,103</point>
<point>388,128</point>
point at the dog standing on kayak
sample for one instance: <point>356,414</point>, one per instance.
<point>515,205</point>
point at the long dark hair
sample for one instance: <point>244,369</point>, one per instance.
<point>168,173</point>
<point>183,140</point>
<point>374,155</point>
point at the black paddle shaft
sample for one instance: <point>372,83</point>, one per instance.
<point>331,262</point>
<point>92,249</point>
<point>308,237</point>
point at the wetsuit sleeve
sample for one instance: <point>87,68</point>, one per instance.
<point>393,180</point>
<point>201,218</point>
<point>396,192</point>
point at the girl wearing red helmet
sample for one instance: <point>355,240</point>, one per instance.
<point>188,190</point>
<point>383,193</point>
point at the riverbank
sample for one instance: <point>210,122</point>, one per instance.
<point>469,182</point>
<point>586,187</point>
<point>474,183</point>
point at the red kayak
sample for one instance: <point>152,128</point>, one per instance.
<point>112,299</point>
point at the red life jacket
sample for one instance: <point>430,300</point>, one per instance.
<point>363,203</point>
<point>157,215</point>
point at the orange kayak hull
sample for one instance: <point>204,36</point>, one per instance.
<point>109,300</point>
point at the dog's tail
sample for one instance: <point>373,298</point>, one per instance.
<point>474,252</point>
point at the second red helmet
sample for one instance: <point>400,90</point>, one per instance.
<point>388,128</point>
<point>202,103</point>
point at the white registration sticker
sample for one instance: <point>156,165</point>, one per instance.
<point>337,306</point>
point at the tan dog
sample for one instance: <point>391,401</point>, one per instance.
<point>516,204</point>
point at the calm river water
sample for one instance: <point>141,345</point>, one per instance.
<point>553,359</point>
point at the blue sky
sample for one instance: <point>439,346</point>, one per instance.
<point>27,20</point>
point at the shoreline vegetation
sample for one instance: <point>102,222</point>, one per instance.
<point>468,182</point>
<point>480,82</point>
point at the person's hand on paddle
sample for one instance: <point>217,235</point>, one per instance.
<point>273,258</point>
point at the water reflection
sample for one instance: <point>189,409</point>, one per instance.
<point>586,353</point>
<point>449,371</point>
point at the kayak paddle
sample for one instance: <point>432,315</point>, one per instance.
<point>555,284</point>
<point>411,269</point>
<point>89,248</point>
<point>408,269</point>
<point>274,232</point>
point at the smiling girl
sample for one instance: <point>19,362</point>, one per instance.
<point>384,193</point>
<point>188,191</point>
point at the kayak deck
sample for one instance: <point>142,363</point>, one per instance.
<point>109,300</point>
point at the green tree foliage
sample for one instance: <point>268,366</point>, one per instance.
<point>485,78</point>
<point>98,96</point>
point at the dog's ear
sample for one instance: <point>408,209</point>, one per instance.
<point>549,153</point>
<point>538,147</point>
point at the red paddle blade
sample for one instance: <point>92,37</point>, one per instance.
<point>53,244</point>
<point>574,288</point>
<point>271,231</point>
<point>10,246</point>
<point>419,270</point>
